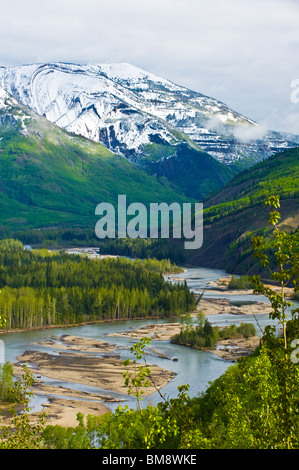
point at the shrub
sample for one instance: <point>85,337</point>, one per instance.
<point>243,282</point>
<point>245,330</point>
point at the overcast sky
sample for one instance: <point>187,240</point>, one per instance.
<point>243,52</point>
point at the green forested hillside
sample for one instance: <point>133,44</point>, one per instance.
<point>196,173</point>
<point>278,174</point>
<point>233,215</point>
<point>49,177</point>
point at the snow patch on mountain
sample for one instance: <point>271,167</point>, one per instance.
<point>11,112</point>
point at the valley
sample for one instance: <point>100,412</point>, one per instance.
<point>75,140</point>
<point>54,173</point>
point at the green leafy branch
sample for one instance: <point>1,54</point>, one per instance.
<point>138,379</point>
<point>22,434</point>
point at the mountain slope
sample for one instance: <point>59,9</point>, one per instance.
<point>196,173</point>
<point>130,111</point>
<point>49,177</point>
<point>235,213</point>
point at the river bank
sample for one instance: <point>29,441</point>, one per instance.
<point>4,331</point>
<point>229,349</point>
<point>208,306</point>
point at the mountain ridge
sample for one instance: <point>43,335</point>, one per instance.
<point>127,108</point>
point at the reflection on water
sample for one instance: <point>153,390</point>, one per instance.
<point>196,368</point>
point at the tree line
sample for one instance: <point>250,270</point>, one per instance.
<point>41,288</point>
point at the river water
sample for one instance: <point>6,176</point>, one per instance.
<point>192,367</point>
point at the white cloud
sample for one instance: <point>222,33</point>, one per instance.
<point>243,53</point>
<point>250,133</point>
<point>244,132</point>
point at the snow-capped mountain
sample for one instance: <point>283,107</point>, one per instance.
<point>134,113</point>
